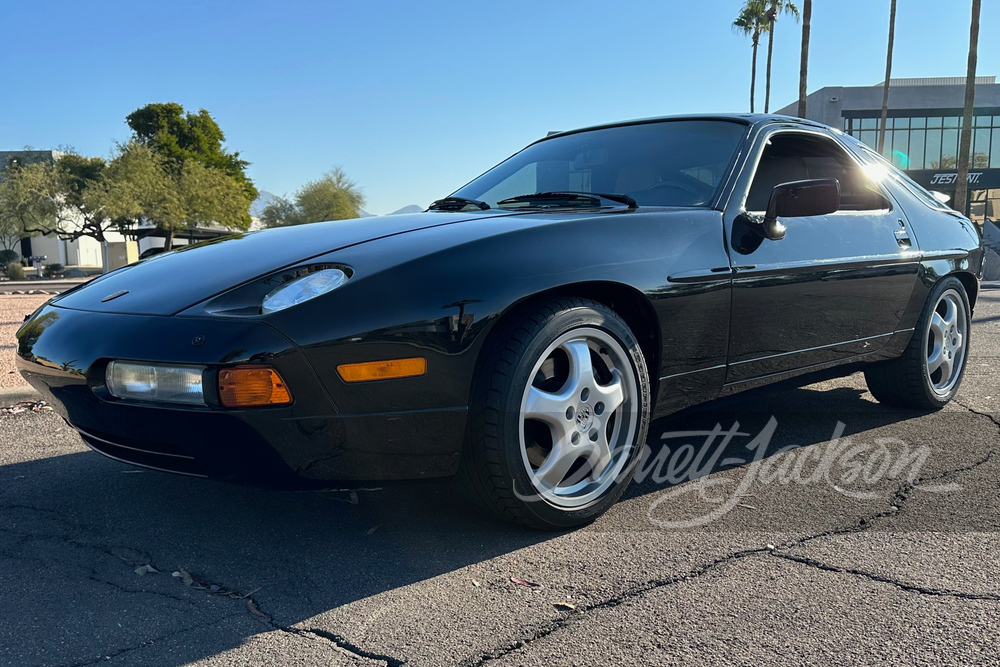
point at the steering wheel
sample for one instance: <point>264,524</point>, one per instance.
<point>692,191</point>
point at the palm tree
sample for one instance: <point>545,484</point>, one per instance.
<point>807,10</point>
<point>888,76</point>
<point>752,21</point>
<point>776,7</point>
<point>965,144</point>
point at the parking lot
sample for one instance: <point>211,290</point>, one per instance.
<point>797,541</point>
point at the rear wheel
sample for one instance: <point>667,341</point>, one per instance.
<point>929,372</point>
<point>559,415</point>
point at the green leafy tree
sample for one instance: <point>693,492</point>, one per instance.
<point>332,197</point>
<point>70,198</point>
<point>279,213</point>
<point>184,138</point>
<point>175,196</point>
<point>11,229</point>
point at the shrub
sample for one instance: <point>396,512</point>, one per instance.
<point>53,270</point>
<point>15,271</point>
<point>7,256</point>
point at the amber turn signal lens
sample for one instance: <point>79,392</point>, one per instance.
<point>252,386</point>
<point>383,370</point>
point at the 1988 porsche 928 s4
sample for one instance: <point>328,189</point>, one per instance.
<point>524,331</point>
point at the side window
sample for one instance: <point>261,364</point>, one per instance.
<point>917,190</point>
<point>797,157</point>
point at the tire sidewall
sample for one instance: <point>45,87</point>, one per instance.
<point>560,323</point>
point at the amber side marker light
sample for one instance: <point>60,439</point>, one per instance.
<point>252,386</point>
<point>383,370</point>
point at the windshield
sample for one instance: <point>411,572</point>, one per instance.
<point>666,163</point>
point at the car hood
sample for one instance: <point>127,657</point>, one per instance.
<point>168,283</point>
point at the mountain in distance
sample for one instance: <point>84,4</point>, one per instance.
<point>412,208</point>
<point>264,198</point>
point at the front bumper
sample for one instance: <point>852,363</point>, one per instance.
<point>62,352</point>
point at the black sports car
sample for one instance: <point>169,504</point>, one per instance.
<point>524,331</point>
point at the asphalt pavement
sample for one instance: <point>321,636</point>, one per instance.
<point>840,532</point>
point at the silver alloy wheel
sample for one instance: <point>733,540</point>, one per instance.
<point>579,414</point>
<point>947,341</point>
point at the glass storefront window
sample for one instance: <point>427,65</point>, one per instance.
<point>949,149</point>
<point>930,142</point>
<point>932,157</point>
<point>981,148</point>
<point>917,138</point>
<point>900,149</point>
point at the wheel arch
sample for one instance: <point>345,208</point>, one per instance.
<point>628,302</point>
<point>970,283</point>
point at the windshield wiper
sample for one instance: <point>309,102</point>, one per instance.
<point>458,204</point>
<point>566,198</point>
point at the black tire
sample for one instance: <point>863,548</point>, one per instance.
<point>905,381</point>
<point>492,468</point>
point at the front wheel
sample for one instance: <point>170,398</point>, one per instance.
<point>559,415</point>
<point>930,371</point>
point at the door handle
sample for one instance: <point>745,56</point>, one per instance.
<point>903,239</point>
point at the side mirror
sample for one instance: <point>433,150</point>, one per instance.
<point>800,199</point>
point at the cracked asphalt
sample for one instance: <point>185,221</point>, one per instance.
<point>872,542</point>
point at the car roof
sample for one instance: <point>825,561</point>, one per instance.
<point>745,118</point>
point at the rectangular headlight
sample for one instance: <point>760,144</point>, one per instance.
<point>156,382</point>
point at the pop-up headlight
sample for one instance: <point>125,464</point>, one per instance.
<point>302,289</point>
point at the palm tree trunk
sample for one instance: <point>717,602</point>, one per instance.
<point>770,50</point>
<point>753,70</point>
<point>888,76</point>
<point>807,7</point>
<point>962,187</point>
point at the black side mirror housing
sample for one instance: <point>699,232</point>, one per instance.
<point>798,199</point>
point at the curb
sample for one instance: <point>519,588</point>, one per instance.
<point>14,395</point>
<point>31,291</point>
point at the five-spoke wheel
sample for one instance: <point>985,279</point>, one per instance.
<point>578,417</point>
<point>559,414</point>
<point>946,337</point>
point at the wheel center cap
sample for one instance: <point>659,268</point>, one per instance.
<point>584,417</point>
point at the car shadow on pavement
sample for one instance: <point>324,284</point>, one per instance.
<point>77,526</point>
<point>803,417</point>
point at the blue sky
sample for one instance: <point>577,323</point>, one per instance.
<point>413,99</point>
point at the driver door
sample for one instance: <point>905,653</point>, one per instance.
<point>836,286</point>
